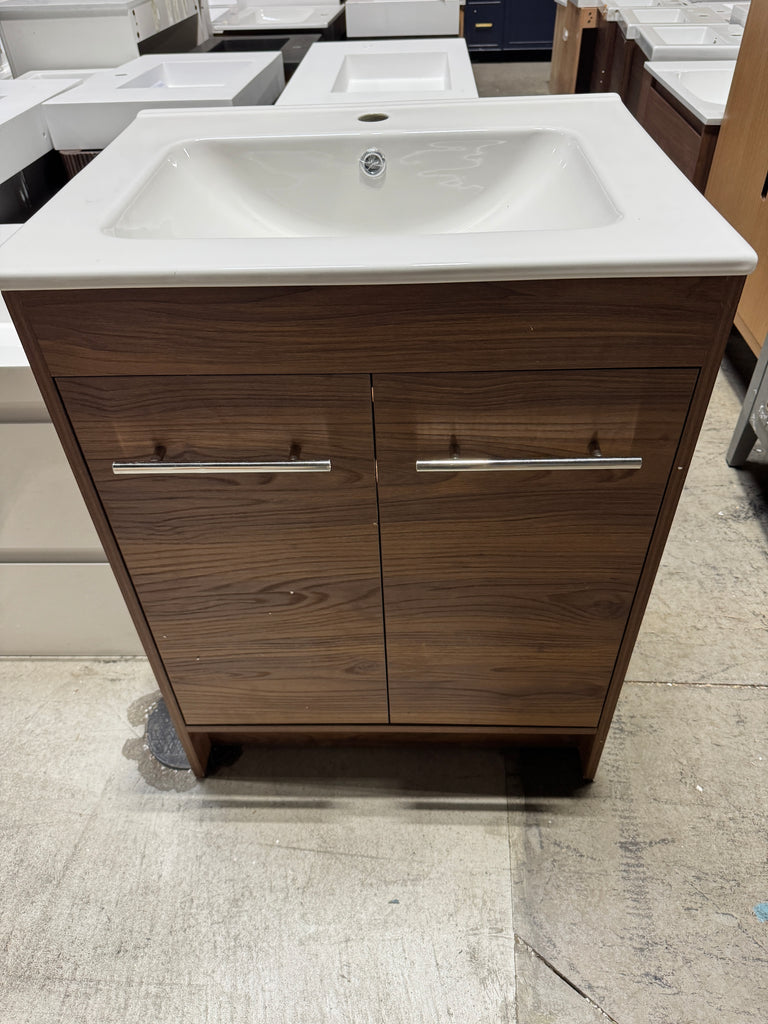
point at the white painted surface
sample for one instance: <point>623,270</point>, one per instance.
<point>42,513</point>
<point>381,70</point>
<point>392,18</point>
<point>662,224</point>
<point>57,593</point>
<point>93,114</point>
<point>690,42</point>
<point>701,86</point>
<point>286,16</point>
<point>24,135</point>
<point>104,33</point>
<point>63,609</point>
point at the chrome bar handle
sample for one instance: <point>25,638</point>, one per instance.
<point>157,467</point>
<point>458,465</point>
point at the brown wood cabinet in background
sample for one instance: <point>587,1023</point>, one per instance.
<point>373,598</point>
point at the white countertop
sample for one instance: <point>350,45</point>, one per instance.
<point>382,70</point>
<point>656,223</point>
<point>702,86</point>
<point>24,135</point>
<point>280,18</point>
<point>91,115</point>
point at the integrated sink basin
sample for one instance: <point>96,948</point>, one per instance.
<point>381,70</point>
<point>701,86</point>
<point>690,42</point>
<point>509,181</point>
<point>486,189</point>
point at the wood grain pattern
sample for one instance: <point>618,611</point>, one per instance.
<point>739,169</point>
<point>506,594</point>
<point>633,93</point>
<point>262,592</point>
<point>687,143</point>
<point>388,328</point>
<point>570,22</point>
<point>718,334</point>
<point>607,36</point>
<point>505,326</point>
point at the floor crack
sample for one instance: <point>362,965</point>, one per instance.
<point>551,967</point>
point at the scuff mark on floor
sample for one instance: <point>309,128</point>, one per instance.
<point>572,985</point>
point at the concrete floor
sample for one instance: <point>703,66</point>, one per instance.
<point>414,885</point>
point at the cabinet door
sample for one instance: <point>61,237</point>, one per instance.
<point>483,25</point>
<point>529,24</point>
<point>262,589</point>
<point>506,593</point>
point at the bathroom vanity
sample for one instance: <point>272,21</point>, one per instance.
<point>378,501</point>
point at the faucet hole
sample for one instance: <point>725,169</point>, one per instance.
<point>373,117</point>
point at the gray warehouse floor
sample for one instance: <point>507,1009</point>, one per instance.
<point>418,885</point>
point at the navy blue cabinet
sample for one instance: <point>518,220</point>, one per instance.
<point>509,25</point>
<point>484,25</point>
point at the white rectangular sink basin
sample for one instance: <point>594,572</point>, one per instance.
<point>92,115</point>
<point>392,18</point>
<point>284,16</point>
<point>24,135</point>
<point>76,75</point>
<point>513,180</point>
<point>382,70</point>
<point>701,86</point>
<point>484,189</point>
<point>631,19</point>
<point>690,42</point>
<point>610,9</point>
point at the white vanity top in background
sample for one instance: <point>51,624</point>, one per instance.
<point>93,114</point>
<point>24,135</point>
<point>277,17</point>
<point>690,42</point>
<point>382,69</point>
<point>701,86</point>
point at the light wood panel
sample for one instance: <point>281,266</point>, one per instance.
<point>570,23</point>
<point>262,591</point>
<point>739,173</point>
<point>506,595</point>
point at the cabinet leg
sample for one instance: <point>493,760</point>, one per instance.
<point>590,751</point>
<point>176,749</point>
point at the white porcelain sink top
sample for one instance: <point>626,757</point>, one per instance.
<point>392,18</point>
<point>277,17</point>
<point>24,135</point>
<point>702,86</point>
<point>632,19</point>
<point>610,8</point>
<point>382,70</point>
<point>690,42</point>
<point>485,189</point>
<point>92,115</point>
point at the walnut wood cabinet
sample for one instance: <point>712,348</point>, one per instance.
<point>380,595</point>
